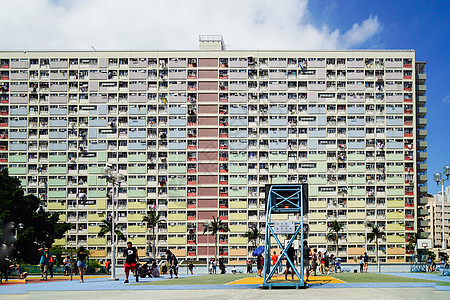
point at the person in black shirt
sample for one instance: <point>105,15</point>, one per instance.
<point>306,255</point>
<point>173,263</point>
<point>290,253</point>
<point>132,258</point>
<point>81,262</point>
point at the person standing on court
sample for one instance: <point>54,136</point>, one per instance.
<point>291,254</point>
<point>66,263</point>
<point>81,262</point>
<point>306,255</point>
<point>132,258</point>
<point>366,261</point>
<point>51,262</point>
<point>173,263</point>
<point>274,261</point>
<point>44,261</point>
<point>259,265</point>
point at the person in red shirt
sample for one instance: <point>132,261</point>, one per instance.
<point>274,261</point>
<point>107,264</point>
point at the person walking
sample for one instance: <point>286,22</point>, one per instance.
<point>332,263</point>
<point>173,263</point>
<point>131,258</point>
<point>314,262</point>
<point>289,268</point>
<point>43,262</point>
<point>321,263</point>
<point>214,266</point>
<point>66,263</point>
<point>210,266</point>
<point>51,262</point>
<point>191,268</point>
<point>107,266</point>
<point>274,261</point>
<point>280,267</point>
<point>259,265</point>
<point>366,261</point>
<point>306,255</point>
<point>361,264</point>
<point>81,262</point>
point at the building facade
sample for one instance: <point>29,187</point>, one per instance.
<point>198,134</point>
<point>434,219</point>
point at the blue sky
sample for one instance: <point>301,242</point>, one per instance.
<point>420,25</point>
<point>249,24</point>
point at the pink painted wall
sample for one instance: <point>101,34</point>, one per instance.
<point>207,155</point>
<point>207,144</point>
<point>207,121</point>
<point>207,74</point>
<point>208,97</point>
<point>208,132</point>
<point>207,203</point>
<point>207,109</point>
<point>207,179</point>
<point>208,191</point>
<point>208,62</point>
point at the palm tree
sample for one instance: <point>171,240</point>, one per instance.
<point>374,235</point>
<point>105,228</point>
<point>333,234</point>
<point>152,220</point>
<point>214,227</point>
<point>412,241</point>
<point>253,234</point>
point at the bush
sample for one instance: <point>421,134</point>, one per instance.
<point>93,263</point>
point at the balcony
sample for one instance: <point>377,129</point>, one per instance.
<point>423,189</point>
<point>421,89</point>
<point>421,100</point>
<point>421,145</point>
<point>421,123</point>
<point>422,200</point>
<point>421,112</point>
<point>422,156</point>
<point>421,133</point>
<point>422,178</point>
<point>422,212</point>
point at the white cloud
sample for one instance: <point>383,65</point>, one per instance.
<point>446,99</point>
<point>363,32</point>
<point>171,24</point>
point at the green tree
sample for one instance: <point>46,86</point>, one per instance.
<point>374,235</point>
<point>105,229</point>
<point>152,220</point>
<point>213,227</point>
<point>253,235</point>
<point>333,234</point>
<point>431,255</point>
<point>412,241</point>
<point>34,227</point>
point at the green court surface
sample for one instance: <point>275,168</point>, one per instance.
<point>200,280</point>
<point>374,278</point>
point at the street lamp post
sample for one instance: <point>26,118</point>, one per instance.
<point>439,179</point>
<point>115,179</point>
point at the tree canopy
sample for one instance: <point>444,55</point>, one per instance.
<point>253,234</point>
<point>35,228</point>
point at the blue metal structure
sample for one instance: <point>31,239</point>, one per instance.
<point>288,198</point>
<point>418,263</point>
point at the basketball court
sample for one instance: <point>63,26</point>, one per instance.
<point>280,279</point>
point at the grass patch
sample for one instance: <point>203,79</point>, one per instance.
<point>199,280</point>
<point>373,277</point>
